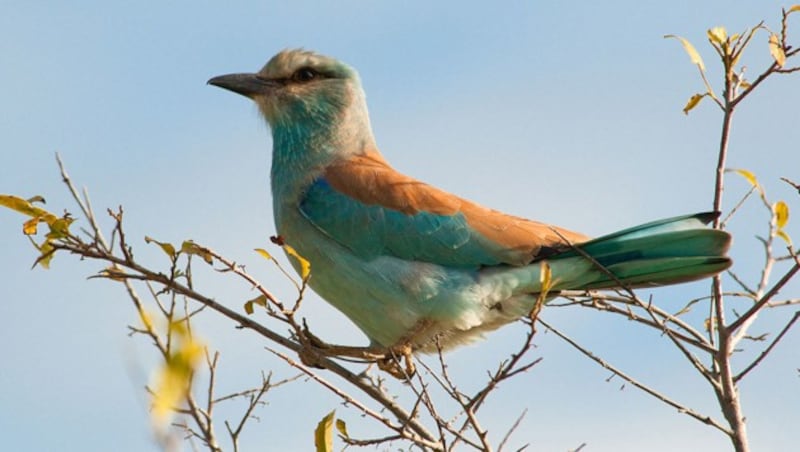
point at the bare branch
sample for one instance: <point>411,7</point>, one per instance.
<point>511,430</point>
<point>766,298</point>
<point>680,407</point>
<point>418,435</point>
<point>769,348</point>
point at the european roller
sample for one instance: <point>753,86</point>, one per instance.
<point>412,265</point>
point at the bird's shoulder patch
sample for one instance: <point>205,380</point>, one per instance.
<point>369,179</point>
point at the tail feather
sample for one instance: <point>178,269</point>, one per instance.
<point>669,251</point>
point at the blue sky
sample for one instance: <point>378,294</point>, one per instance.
<point>568,114</point>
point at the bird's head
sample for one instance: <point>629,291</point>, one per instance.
<point>299,88</point>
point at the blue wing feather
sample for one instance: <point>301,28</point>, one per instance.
<point>373,230</point>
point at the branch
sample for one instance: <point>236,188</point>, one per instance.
<point>425,439</point>
<point>767,297</point>
<point>766,352</point>
<point>680,407</point>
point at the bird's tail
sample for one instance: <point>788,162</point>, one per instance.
<point>663,252</point>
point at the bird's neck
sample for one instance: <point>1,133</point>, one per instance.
<point>301,152</point>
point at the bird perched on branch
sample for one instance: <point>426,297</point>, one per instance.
<point>415,266</point>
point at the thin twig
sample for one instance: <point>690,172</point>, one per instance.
<point>411,435</point>
<point>766,351</point>
<point>767,297</point>
<point>511,430</point>
<point>680,407</point>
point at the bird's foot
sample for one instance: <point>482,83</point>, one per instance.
<point>311,356</point>
<point>392,362</point>
<point>397,361</point>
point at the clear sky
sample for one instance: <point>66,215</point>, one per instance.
<point>564,113</point>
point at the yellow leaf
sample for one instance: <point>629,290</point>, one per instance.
<point>793,9</point>
<point>776,49</point>
<point>166,247</point>
<point>174,379</point>
<point>44,259</point>
<point>546,276</point>
<point>546,283</point>
<point>59,228</point>
<point>31,226</point>
<point>342,428</point>
<point>113,273</point>
<point>264,253</point>
<point>189,247</point>
<point>718,35</point>
<point>37,198</point>
<point>180,328</point>
<point>747,175</point>
<point>781,214</point>
<point>693,101</point>
<point>147,320</point>
<point>22,206</point>
<point>323,435</point>
<point>744,84</point>
<point>260,300</point>
<point>689,48</point>
<point>305,266</point>
<point>782,234</point>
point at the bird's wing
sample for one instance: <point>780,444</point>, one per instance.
<point>367,206</point>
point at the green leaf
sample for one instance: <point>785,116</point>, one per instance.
<point>168,248</point>
<point>776,49</point>
<point>693,101</point>
<point>689,48</point>
<point>323,435</point>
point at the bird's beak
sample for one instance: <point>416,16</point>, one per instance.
<point>248,85</point>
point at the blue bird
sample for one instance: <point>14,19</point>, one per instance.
<point>415,266</point>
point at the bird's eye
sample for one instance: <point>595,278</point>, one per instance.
<point>304,74</point>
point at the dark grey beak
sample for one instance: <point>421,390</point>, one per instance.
<point>247,85</point>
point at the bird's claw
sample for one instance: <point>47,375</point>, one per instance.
<point>311,356</point>
<point>391,362</point>
<point>397,361</point>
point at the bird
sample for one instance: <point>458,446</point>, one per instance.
<point>413,265</point>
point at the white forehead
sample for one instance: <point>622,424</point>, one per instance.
<point>287,62</point>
